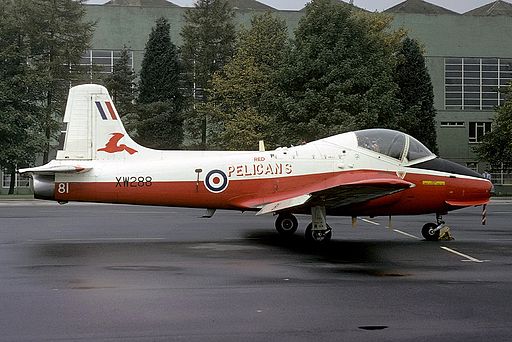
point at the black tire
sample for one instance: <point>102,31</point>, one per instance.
<point>318,236</point>
<point>286,224</point>
<point>428,232</point>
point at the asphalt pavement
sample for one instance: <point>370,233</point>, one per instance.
<point>86,272</point>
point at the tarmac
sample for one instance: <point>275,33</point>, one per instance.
<point>91,272</point>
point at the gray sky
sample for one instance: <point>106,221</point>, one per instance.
<point>371,5</point>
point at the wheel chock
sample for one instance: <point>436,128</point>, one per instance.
<point>444,234</point>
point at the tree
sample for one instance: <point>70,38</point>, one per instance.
<point>122,88</point>
<point>121,84</point>
<point>338,77</point>
<point>238,118</point>
<point>159,73</point>
<point>496,146</point>
<point>19,137</point>
<point>160,101</point>
<point>416,94</point>
<point>57,36</point>
<point>208,44</point>
<point>160,125</point>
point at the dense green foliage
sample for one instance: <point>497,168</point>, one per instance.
<point>208,44</point>
<point>120,84</point>
<point>160,124</point>
<point>496,147</point>
<point>57,37</point>
<point>19,138</point>
<point>345,70</point>
<point>160,71</point>
<point>416,94</point>
<point>39,42</point>
<point>208,39</point>
<point>339,75</point>
<point>238,116</point>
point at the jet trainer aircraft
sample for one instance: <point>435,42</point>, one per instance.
<point>373,172</point>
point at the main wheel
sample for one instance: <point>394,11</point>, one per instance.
<point>318,236</point>
<point>429,233</point>
<point>286,224</point>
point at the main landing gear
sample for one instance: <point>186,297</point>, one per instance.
<point>318,231</point>
<point>436,231</point>
<point>286,224</point>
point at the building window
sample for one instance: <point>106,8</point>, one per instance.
<point>477,130</point>
<point>452,123</point>
<point>21,181</point>
<point>102,61</point>
<point>473,83</point>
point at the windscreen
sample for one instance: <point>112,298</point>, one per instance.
<point>417,150</point>
<point>384,141</point>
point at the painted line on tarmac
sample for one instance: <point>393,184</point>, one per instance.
<point>395,230</point>
<point>468,258</point>
<point>371,222</point>
<point>406,234</point>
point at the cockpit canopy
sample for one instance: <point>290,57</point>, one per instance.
<point>391,143</point>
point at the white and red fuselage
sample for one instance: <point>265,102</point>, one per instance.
<point>371,172</point>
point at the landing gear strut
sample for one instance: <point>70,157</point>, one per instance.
<point>286,224</point>
<point>318,231</point>
<point>432,231</point>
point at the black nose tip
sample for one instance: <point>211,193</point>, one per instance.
<point>443,165</point>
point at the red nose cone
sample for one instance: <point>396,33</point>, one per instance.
<point>469,192</point>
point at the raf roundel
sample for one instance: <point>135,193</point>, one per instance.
<point>216,181</point>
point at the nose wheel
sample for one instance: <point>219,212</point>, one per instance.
<point>436,231</point>
<point>429,232</point>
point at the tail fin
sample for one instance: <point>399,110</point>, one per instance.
<point>92,127</point>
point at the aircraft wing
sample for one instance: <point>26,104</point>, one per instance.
<point>339,195</point>
<point>53,169</point>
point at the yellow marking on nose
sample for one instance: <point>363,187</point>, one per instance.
<point>435,183</point>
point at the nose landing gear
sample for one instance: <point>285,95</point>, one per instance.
<point>430,231</point>
<point>436,231</point>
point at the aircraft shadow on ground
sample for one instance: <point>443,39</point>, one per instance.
<point>370,257</point>
<point>362,257</point>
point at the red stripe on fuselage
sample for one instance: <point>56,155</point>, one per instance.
<point>246,194</point>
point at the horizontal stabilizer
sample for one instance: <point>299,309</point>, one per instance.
<point>53,169</point>
<point>284,204</point>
